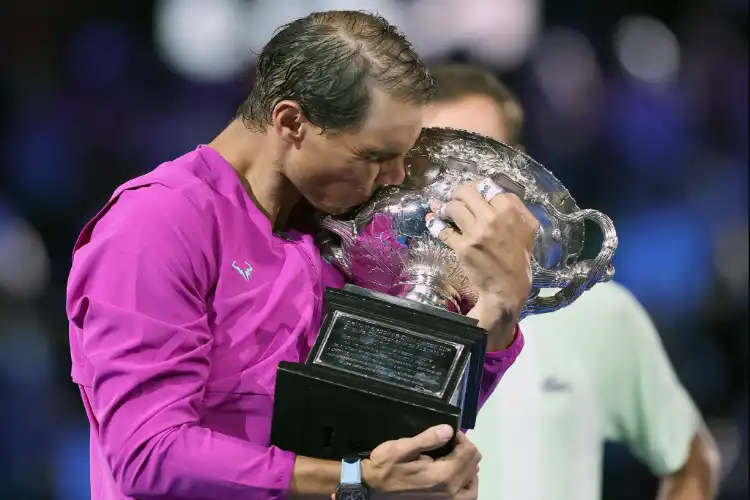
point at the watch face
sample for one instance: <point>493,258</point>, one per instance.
<point>352,492</point>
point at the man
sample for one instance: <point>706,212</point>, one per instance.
<point>595,370</point>
<point>194,281</point>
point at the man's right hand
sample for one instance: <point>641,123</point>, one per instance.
<point>401,469</point>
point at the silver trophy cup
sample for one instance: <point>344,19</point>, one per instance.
<point>385,246</point>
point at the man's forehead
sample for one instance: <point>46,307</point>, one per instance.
<point>388,144</point>
<point>392,125</point>
<point>394,139</point>
<point>478,114</point>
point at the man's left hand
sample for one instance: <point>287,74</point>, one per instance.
<point>493,241</point>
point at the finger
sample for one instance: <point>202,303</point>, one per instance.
<point>470,491</point>
<point>462,462</point>
<point>530,222</point>
<point>441,230</point>
<point>461,450</point>
<point>455,211</point>
<point>472,452</point>
<point>489,190</point>
<point>411,448</point>
<point>470,196</point>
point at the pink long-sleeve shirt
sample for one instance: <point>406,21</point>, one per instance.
<point>181,303</point>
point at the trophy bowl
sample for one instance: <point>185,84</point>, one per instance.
<point>385,246</point>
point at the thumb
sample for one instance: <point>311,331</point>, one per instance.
<point>408,449</point>
<point>431,439</point>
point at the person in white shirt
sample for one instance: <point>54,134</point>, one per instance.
<point>591,372</point>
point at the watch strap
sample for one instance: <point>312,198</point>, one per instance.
<point>351,470</point>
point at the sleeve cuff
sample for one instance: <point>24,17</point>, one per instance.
<point>674,457</point>
<point>508,355</point>
<point>497,363</point>
<point>285,462</point>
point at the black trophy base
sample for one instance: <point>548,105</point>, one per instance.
<point>324,413</point>
<point>381,368</point>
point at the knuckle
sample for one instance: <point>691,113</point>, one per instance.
<point>521,212</point>
<point>450,207</point>
<point>485,234</point>
<point>445,235</point>
<point>453,488</point>
<point>461,190</point>
<point>439,481</point>
<point>511,198</point>
<point>472,241</point>
<point>502,202</point>
<point>514,200</point>
<point>461,249</point>
<point>493,218</point>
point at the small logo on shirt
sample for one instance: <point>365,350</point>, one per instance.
<point>245,273</point>
<point>554,384</point>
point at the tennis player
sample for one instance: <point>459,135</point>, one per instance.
<point>591,372</point>
<point>198,278</point>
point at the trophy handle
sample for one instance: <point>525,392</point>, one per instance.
<point>579,277</point>
<point>332,250</point>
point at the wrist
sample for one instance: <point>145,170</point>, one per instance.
<point>370,477</point>
<point>313,476</point>
<point>499,317</point>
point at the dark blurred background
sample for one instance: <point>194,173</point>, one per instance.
<point>640,108</point>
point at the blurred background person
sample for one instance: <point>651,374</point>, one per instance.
<point>592,371</point>
<point>639,108</point>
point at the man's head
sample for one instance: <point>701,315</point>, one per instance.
<point>342,94</point>
<point>473,99</point>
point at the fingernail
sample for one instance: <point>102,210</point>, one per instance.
<point>435,205</point>
<point>444,431</point>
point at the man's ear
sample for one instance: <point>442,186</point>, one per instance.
<point>288,121</point>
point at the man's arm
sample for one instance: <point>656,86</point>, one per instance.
<point>645,405</point>
<point>136,304</point>
<point>698,478</point>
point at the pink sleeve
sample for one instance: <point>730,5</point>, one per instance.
<point>136,304</point>
<point>496,364</point>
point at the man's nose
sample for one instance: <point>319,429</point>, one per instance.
<point>393,172</point>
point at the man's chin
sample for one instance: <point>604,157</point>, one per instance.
<point>339,210</point>
<point>322,208</point>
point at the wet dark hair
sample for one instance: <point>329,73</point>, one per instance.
<point>328,62</point>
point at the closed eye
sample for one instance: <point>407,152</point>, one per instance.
<point>377,156</point>
<point>372,159</point>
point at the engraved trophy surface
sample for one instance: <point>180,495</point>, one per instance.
<point>395,353</point>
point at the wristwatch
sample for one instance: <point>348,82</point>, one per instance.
<point>351,486</point>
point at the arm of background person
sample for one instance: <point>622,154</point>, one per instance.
<point>136,296</point>
<point>699,477</point>
<point>645,405</point>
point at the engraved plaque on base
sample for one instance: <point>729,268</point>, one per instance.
<point>382,368</point>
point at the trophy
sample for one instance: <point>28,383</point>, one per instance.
<point>396,353</point>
